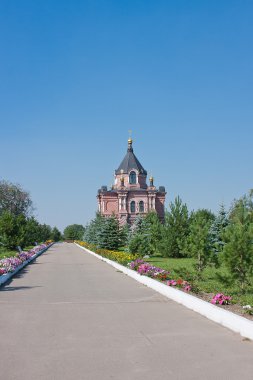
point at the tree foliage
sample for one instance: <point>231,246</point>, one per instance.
<point>238,236</point>
<point>198,243</point>
<point>105,232</point>
<point>55,234</point>
<point>175,229</point>
<point>74,232</point>
<point>12,230</point>
<point>217,230</point>
<point>14,199</point>
<point>145,234</point>
<point>17,226</point>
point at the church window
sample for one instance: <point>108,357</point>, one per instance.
<point>132,178</point>
<point>132,206</point>
<point>141,206</point>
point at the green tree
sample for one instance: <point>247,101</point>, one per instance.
<point>55,235</point>
<point>138,241</point>
<point>144,234</point>
<point>217,230</point>
<point>153,228</point>
<point>198,242</point>
<point>93,230</point>
<point>31,232</point>
<point>123,234</point>
<point>14,199</point>
<point>74,232</point>
<point>175,229</point>
<point>12,230</point>
<point>238,236</point>
<point>109,234</point>
<point>44,233</point>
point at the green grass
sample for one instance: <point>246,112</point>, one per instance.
<point>10,253</point>
<point>210,281</point>
<point>6,253</point>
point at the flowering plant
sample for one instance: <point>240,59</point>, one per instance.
<point>180,283</point>
<point>157,273</point>
<point>134,265</point>
<point>151,271</point>
<point>9,264</point>
<point>121,257</point>
<point>221,299</point>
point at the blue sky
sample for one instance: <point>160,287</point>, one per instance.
<point>75,76</point>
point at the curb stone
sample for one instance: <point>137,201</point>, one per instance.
<point>225,318</point>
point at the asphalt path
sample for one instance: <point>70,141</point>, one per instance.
<point>70,316</point>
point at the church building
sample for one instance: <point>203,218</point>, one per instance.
<point>130,195</point>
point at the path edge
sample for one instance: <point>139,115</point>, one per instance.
<point>6,277</point>
<point>225,318</point>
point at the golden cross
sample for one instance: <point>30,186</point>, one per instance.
<point>130,133</point>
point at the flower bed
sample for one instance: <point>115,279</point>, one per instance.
<point>120,257</point>
<point>195,302</point>
<point>159,274</point>
<point>221,299</point>
<point>10,264</point>
<point>137,264</point>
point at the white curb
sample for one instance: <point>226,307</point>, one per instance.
<point>6,277</point>
<point>225,318</point>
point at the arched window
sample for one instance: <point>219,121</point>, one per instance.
<point>141,206</point>
<point>132,206</point>
<point>132,178</point>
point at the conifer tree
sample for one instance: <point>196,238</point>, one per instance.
<point>238,250</point>
<point>145,234</point>
<point>217,230</point>
<point>93,230</point>
<point>136,237</point>
<point>198,243</point>
<point>175,229</point>
<point>109,236</point>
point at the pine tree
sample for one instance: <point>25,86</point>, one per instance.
<point>198,242</point>
<point>93,230</point>
<point>153,228</point>
<point>109,236</point>
<point>175,229</point>
<point>123,235</point>
<point>238,250</point>
<point>136,236</point>
<point>145,234</point>
<point>217,230</point>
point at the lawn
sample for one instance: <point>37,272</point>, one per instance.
<point>10,253</point>
<point>211,281</point>
<point>6,253</point>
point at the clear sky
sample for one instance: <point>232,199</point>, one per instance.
<point>75,76</point>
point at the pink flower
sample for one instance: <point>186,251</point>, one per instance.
<point>187,288</point>
<point>221,299</point>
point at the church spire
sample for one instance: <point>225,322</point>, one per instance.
<point>130,142</point>
<point>130,161</point>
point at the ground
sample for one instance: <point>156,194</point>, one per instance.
<point>70,316</point>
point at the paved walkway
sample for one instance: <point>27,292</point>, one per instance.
<point>69,316</point>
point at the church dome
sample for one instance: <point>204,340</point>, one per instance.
<point>130,162</point>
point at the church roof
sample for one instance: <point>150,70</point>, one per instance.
<point>130,161</point>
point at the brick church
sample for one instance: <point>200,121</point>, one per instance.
<point>130,195</point>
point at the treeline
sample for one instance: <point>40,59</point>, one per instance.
<point>74,232</point>
<point>225,238</point>
<point>17,225</point>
